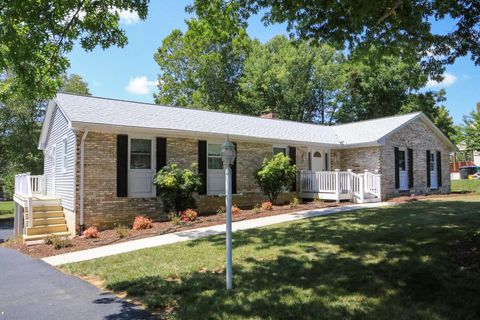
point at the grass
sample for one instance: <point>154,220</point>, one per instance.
<point>6,210</point>
<point>383,263</point>
<point>466,186</point>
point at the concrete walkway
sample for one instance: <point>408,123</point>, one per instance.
<point>197,233</point>
<point>31,289</point>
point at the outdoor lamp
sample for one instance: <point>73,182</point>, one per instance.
<point>228,157</point>
<point>228,153</point>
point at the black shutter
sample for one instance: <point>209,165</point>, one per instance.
<point>122,165</point>
<point>161,154</point>
<point>439,168</point>
<point>292,154</point>
<point>428,168</point>
<point>202,165</point>
<point>234,172</point>
<point>326,162</point>
<point>410,168</point>
<point>397,169</point>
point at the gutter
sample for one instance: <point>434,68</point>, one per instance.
<point>82,173</point>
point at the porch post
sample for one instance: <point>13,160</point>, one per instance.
<point>361,178</point>
<point>15,219</point>
<point>337,184</point>
<point>349,181</point>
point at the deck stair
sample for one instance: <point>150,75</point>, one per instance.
<point>48,219</point>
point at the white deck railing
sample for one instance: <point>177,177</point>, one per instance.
<point>341,183</point>
<point>26,186</point>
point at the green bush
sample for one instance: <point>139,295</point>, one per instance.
<point>122,231</point>
<point>58,242</point>
<point>275,175</point>
<point>176,187</point>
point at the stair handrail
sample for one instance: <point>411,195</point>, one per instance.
<point>373,183</point>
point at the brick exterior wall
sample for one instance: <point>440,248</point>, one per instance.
<point>420,138</point>
<point>104,209</point>
<point>357,159</point>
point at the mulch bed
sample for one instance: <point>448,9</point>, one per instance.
<point>110,236</point>
<point>466,253</point>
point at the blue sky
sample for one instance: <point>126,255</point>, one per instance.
<point>131,73</point>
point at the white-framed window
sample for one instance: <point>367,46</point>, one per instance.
<point>64,154</point>
<point>279,149</point>
<point>214,158</point>
<point>140,153</point>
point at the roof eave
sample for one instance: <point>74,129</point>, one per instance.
<point>118,129</point>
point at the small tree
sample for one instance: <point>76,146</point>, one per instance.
<point>275,175</point>
<point>176,187</point>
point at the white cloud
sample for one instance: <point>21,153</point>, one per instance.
<point>140,85</point>
<point>448,80</point>
<point>128,17</point>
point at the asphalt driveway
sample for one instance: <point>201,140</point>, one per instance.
<point>6,229</point>
<point>32,289</point>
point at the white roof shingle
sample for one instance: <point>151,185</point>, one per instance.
<point>84,111</point>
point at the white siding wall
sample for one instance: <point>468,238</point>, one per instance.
<point>64,179</point>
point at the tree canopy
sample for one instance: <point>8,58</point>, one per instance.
<point>390,25</point>
<point>35,37</point>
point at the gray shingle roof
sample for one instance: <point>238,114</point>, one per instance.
<point>87,110</point>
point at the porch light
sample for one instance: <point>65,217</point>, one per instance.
<point>228,157</point>
<point>228,153</point>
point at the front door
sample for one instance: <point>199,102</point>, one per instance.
<point>215,173</point>
<point>141,168</point>
<point>402,167</point>
<point>317,161</point>
<point>433,171</point>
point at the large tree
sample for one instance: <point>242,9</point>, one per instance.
<point>470,131</point>
<point>200,68</point>
<point>378,85</point>
<point>297,81</point>
<point>74,83</point>
<point>390,25</point>
<point>35,37</point>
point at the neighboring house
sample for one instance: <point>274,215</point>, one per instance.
<point>102,154</point>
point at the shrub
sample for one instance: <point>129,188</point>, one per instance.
<point>141,223</point>
<point>235,210</point>
<point>257,208</point>
<point>91,232</point>
<point>267,205</point>
<point>176,187</point>
<point>294,202</point>
<point>189,215</point>
<point>122,231</point>
<point>174,218</point>
<point>275,175</point>
<point>57,242</point>
<point>221,210</point>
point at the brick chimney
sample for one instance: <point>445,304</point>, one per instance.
<point>269,115</point>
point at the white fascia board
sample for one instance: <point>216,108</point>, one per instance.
<point>46,125</point>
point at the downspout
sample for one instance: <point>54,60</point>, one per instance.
<point>82,173</point>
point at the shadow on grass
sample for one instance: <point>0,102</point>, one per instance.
<point>379,263</point>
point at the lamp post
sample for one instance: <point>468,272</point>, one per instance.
<point>228,158</point>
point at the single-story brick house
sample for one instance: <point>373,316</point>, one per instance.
<point>101,155</point>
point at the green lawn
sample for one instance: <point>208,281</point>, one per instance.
<point>466,185</point>
<point>6,210</point>
<point>385,263</point>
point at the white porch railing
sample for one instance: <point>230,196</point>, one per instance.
<point>341,184</point>
<point>26,186</point>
